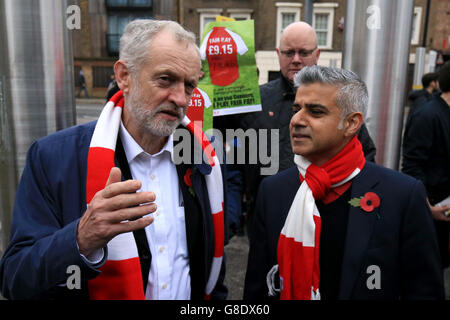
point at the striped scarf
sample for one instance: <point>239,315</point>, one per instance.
<point>120,276</point>
<point>298,245</point>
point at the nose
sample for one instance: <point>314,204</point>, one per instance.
<point>299,119</point>
<point>297,58</point>
<point>178,95</point>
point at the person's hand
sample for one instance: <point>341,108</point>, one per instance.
<point>116,209</point>
<point>438,212</point>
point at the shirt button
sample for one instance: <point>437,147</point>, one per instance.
<point>164,286</point>
<point>152,177</point>
<point>161,249</point>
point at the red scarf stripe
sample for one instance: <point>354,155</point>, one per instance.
<point>351,153</point>
<point>117,99</point>
<point>301,258</point>
<point>203,141</point>
<point>316,268</point>
<point>119,281</point>
<point>218,222</point>
<point>100,162</point>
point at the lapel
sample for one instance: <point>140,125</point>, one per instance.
<point>199,227</point>
<point>359,229</point>
<point>140,237</point>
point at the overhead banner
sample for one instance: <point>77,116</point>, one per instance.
<point>228,61</point>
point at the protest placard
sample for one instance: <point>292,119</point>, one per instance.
<point>230,79</point>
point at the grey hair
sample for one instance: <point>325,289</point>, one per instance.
<point>137,37</point>
<point>352,94</point>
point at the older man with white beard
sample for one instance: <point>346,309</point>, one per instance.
<point>107,198</point>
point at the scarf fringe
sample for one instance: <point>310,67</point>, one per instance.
<point>270,280</point>
<point>315,295</point>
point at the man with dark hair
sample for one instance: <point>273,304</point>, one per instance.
<point>417,98</point>
<point>426,156</point>
<point>373,224</point>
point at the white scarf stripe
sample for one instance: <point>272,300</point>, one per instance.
<point>303,202</point>
<point>110,119</point>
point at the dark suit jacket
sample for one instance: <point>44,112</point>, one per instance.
<point>49,203</point>
<point>401,242</point>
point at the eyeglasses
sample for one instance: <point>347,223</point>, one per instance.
<point>301,53</point>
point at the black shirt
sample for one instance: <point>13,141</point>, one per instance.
<point>334,218</point>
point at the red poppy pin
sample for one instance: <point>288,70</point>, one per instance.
<point>368,202</point>
<point>188,181</point>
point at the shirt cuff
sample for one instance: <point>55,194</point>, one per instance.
<point>94,258</point>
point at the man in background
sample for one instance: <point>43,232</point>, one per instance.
<point>426,156</point>
<point>417,98</point>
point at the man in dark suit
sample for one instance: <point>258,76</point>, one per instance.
<point>426,156</point>
<point>148,230</point>
<point>337,226</point>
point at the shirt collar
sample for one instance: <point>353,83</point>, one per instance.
<point>133,149</point>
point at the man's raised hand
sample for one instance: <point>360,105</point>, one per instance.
<point>116,209</point>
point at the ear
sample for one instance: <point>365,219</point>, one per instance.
<point>123,76</point>
<point>352,123</point>
<point>278,52</point>
<point>317,54</point>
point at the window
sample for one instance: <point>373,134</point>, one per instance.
<point>117,22</point>
<point>120,13</point>
<point>76,74</point>
<point>416,22</point>
<point>323,20</point>
<point>240,14</point>
<point>128,3</point>
<point>206,16</point>
<point>287,12</point>
<point>101,76</point>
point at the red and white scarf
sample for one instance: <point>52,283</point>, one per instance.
<point>298,245</point>
<point>120,276</point>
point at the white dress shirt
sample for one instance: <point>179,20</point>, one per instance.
<point>169,277</point>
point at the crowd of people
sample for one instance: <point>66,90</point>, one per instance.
<point>108,197</point>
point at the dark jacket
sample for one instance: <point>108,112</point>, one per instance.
<point>50,200</point>
<point>417,98</point>
<point>426,148</point>
<point>398,237</point>
<point>426,156</point>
